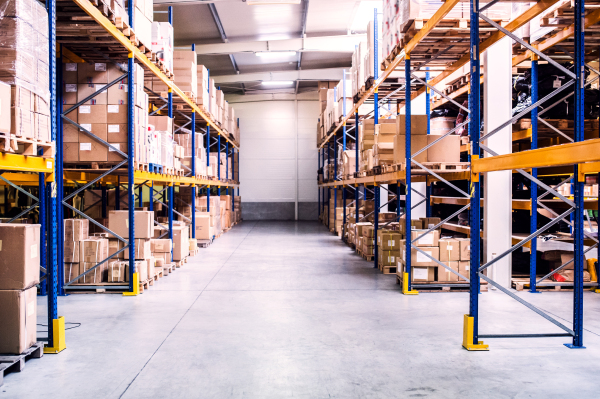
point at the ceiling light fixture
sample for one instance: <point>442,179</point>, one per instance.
<point>275,53</point>
<point>277,82</point>
<point>263,2</point>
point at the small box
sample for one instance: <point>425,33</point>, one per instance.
<point>76,229</point>
<point>93,250</point>
<point>429,223</point>
<point>389,241</point>
<point>19,318</point>
<point>19,256</point>
<point>464,269</point>
<point>161,245</point>
<point>142,249</point>
<point>91,114</point>
<point>449,250</point>
<point>118,272</point>
<point>116,114</point>
<point>428,240</point>
<point>92,72</point>
<point>465,248</point>
<point>118,222</point>
<point>445,274</point>
<point>114,246</point>
<point>71,251</point>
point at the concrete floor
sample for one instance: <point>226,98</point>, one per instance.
<point>284,309</point>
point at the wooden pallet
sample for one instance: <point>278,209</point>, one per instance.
<point>443,166</point>
<point>204,243</point>
<point>365,257</point>
<point>441,286</point>
<point>387,269</point>
<point>10,363</point>
<point>26,146</point>
<point>167,269</point>
<point>194,252</point>
<point>520,284</point>
<point>144,285</point>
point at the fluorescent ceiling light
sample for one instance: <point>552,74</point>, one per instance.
<point>275,53</point>
<point>261,2</point>
<point>277,82</point>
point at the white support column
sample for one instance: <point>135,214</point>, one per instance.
<point>383,197</point>
<point>497,210</point>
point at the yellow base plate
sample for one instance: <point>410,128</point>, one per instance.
<point>136,286</point>
<point>468,336</point>
<point>405,289</point>
<point>58,336</point>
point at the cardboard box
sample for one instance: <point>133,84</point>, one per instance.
<point>19,318</point>
<point>418,125</point>
<point>76,229</point>
<point>388,258</point>
<point>85,90</point>
<point>93,250</point>
<point>71,251</point>
<point>5,105</point>
<point>71,271</point>
<point>142,249</point>
<point>115,245</point>
<point>181,247</point>
<point>141,268</point>
<point>92,151</point>
<point>416,143</point>
<point>429,240</point>
<point>419,274</point>
<point>465,248</point>
<point>19,256</point>
<point>95,275</point>
<point>446,150</point>
<point>160,245</point>
<point>446,275</point>
<point>203,228</point>
<point>389,241</point>
<point>91,114</point>
<point>118,272</point>
<point>449,250</point>
<point>419,259</point>
<point>464,268</point>
<point>91,72</point>
<point>118,222</point>
<point>116,114</point>
<point>428,223</point>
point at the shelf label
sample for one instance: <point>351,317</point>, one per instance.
<point>71,67</point>
<point>85,109</point>
<point>113,109</point>
<point>116,145</point>
<point>113,128</point>
<point>100,66</point>
<point>71,88</point>
<point>85,146</point>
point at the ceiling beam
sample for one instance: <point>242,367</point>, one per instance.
<point>303,74</point>
<point>337,44</point>
<point>217,19</point>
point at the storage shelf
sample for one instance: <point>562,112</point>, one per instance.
<point>97,16</point>
<point>25,163</point>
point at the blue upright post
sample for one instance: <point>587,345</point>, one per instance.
<point>58,167</point>
<point>344,149</point>
<point>534,187</point>
<point>328,188</point>
<point>170,213</point>
<point>408,196</point>
<point>219,163</point>
<point>193,187</point>
<point>151,199</point>
<point>170,91</point>
<point>133,275</point>
<point>578,185</point>
<point>335,189</point>
<point>208,145</point>
<point>376,122</point>
<point>43,226</point>
<point>471,331</point>
<point>428,112</point>
<point>356,140</point>
<point>55,324</point>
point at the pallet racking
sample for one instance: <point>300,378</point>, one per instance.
<point>85,30</point>
<point>576,159</point>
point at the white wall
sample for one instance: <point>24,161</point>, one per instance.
<point>278,155</point>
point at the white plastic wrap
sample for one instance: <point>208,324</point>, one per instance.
<point>24,49</point>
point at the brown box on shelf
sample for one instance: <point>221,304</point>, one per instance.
<point>97,129</point>
<point>418,258</point>
<point>428,223</point>
<point>92,151</point>
<point>428,240</point>
<point>92,72</point>
<point>446,275</point>
<point>142,249</point>
<point>85,90</point>
<point>446,150</point>
<point>76,229</point>
<point>418,125</point>
<point>464,268</point>
<point>449,250</point>
<point>116,114</point>
<point>389,241</point>
<point>95,276</point>
<point>160,245</point>
<point>417,142</point>
<point>93,250</point>
<point>91,114</point>
<point>114,245</point>
<point>71,271</point>
<point>388,258</point>
<point>465,248</point>
<point>71,251</point>
<point>19,317</point>
<point>113,155</point>
<point>5,105</point>
<point>118,272</point>
<point>118,221</point>
<point>19,256</point>
<point>181,247</point>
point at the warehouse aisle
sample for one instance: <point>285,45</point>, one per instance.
<point>284,309</point>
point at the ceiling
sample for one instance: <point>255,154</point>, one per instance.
<point>228,33</point>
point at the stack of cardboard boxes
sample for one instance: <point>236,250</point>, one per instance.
<point>24,66</point>
<point>118,222</point>
<point>143,15</point>
<point>19,274</point>
<point>162,43</point>
<point>185,69</point>
<point>104,115</point>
